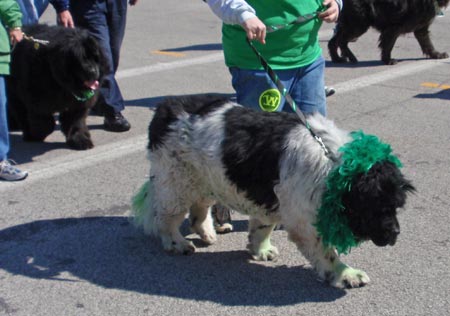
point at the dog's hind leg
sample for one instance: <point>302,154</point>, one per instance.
<point>167,225</point>
<point>160,207</point>
<point>259,240</point>
<point>201,221</point>
<point>38,127</point>
<point>326,260</point>
<point>423,37</point>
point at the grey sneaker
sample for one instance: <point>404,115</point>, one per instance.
<point>10,173</point>
<point>222,219</point>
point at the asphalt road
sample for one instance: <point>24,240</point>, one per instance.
<point>66,245</point>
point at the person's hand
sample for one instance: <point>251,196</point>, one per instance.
<point>65,19</point>
<point>132,2</point>
<point>15,35</point>
<point>255,29</point>
<point>331,14</point>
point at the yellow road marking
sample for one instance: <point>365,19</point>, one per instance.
<point>435,85</point>
<point>430,84</point>
<point>173,54</point>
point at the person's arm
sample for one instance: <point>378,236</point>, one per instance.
<point>240,12</point>
<point>232,11</point>
<point>331,14</point>
<point>11,17</point>
<point>62,12</point>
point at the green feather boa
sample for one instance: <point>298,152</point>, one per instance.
<point>358,156</point>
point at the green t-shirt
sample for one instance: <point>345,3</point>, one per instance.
<point>294,46</point>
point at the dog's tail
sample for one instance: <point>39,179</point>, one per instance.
<point>142,209</point>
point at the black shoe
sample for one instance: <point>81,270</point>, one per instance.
<point>116,122</point>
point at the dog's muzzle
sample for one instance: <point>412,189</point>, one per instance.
<point>387,236</point>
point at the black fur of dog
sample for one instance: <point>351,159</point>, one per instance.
<point>58,76</point>
<point>391,18</point>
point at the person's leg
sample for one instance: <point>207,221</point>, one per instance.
<point>93,16</point>
<point>308,88</point>
<point>7,171</point>
<point>40,6</point>
<point>4,136</point>
<point>255,89</point>
<point>117,19</point>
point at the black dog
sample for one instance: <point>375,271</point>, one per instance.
<point>55,70</point>
<point>391,18</point>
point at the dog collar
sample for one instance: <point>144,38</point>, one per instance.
<point>86,95</point>
<point>358,156</point>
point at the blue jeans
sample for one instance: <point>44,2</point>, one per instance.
<point>255,89</point>
<point>4,134</point>
<point>32,10</point>
<point>105,20</point>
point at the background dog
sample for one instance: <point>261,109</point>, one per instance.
<point>391,18</point>
<point>265,165</point>
<point>58,70</point>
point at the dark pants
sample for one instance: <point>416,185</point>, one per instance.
<point>105,20</point>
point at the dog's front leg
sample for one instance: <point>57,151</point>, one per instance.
<point>423,37</point>
<point>259,240</point>
<point>327,263</point>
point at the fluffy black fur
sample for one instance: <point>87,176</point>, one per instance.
<point>168,110</point>
<point>47,79</point>
<point>391,18</point>
<point>371,204</point>
<point>252,149</point>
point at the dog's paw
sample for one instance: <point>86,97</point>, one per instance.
<point>208,238</point>
<point>348,277</point>
<point>390,61</point>
<point>438,55</point>
<point>223,228</point>
<point>183,247</point>
<point>80,142</point>
<point>265,253</point>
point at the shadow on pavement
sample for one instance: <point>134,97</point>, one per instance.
<point>200,47</point>
<point>442,94</point>
<point>367,63</point>
<point>110,252</point>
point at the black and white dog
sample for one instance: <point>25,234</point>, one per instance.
<point>204,149</point>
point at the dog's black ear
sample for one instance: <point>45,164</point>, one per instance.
<point>407,186</point>
<point>382,180</point>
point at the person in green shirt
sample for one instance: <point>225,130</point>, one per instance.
<point>291,49</point>
<point>10,33</point>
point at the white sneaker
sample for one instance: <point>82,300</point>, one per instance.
<point>10,173</point>
<point>329,91</point>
